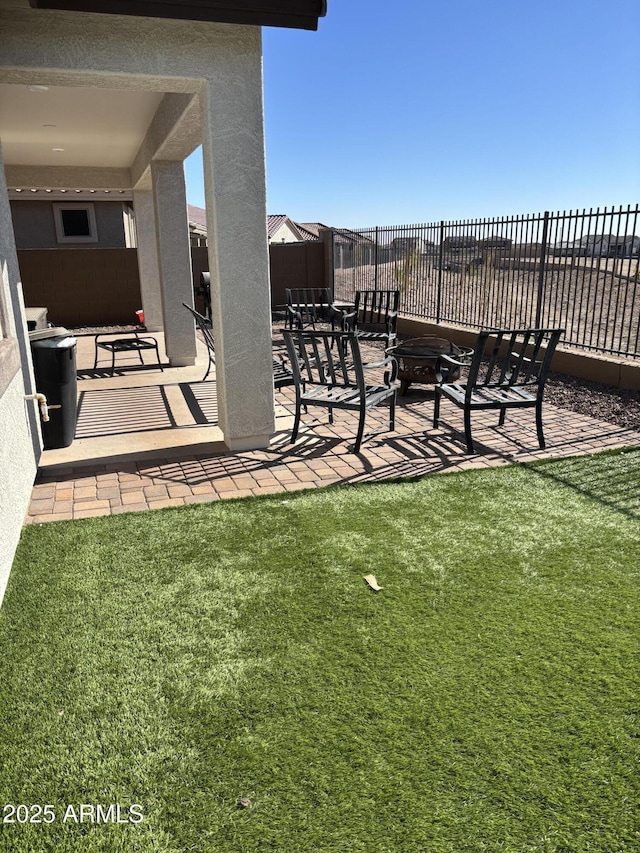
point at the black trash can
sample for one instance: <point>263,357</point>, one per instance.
<point>54,365</point>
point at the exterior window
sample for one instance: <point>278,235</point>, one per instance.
<point>75,223</point>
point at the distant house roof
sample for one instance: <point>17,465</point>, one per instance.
<point>276,221</point>
<point>345,235</point>
<point>310,230</point>
<point>197,218</point>
<point>299,14</point>
<point>304,231</point>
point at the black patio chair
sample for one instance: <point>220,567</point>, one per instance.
<point>204,326</point>
<point>282,373</point>
<point>328,372</point>
<point>375,316</point>
<point>307,306</point>
<point>508,370</point>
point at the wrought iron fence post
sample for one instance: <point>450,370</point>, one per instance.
<point>542,270</point>
<point>440,263</point>
<point>375,262</point>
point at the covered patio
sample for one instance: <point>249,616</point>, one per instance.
<point>116,107</point>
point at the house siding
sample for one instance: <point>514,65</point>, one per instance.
<point>34,225</point>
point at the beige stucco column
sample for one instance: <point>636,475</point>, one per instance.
<point>148,259</point>
<point>174,260</point>
<point>234,174</point>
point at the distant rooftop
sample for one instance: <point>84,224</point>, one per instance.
<point>197,216</point>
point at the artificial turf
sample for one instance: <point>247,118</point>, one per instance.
<point>183,660</point>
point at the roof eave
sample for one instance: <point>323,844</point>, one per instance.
<point>268,13</point>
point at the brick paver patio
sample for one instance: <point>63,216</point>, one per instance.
<point>321,456</point>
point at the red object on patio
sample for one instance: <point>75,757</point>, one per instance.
<point>140,316</point>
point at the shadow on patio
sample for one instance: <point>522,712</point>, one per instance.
<point>139,410</point>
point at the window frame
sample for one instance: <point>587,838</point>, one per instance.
<point>60,206</point>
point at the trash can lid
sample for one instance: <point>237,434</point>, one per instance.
<point>62,340</point>
<point>53,332</point>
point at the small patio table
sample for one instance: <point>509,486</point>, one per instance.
<point>418,360</point>
<point>135,344</point>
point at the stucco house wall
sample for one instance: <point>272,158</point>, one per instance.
<point>34,226</point>
<point>19,468</point>
<point>20,439</point>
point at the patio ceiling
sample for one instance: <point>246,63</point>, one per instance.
<point>72,137</point>
<point>72,126</point>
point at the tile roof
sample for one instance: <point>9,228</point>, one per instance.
<point>307,230</point>
<point>274,222</point>
<point>310,230</point>
<point>197,216</point>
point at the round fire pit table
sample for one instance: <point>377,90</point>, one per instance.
<point>418,357</point>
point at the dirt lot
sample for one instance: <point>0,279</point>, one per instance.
<point>597,303</point>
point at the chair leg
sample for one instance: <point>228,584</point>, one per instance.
<point>436,408</point>
<point>356,446</point>
<point>467,429</point>
<point>158,357</point>
<point>392,414</point>
<point>503,413</point>
<point>296,423</point>
<point>541,440</point>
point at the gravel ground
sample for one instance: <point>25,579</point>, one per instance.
<point>614,405</point>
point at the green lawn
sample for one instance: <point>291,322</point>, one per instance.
<point>485,700</point>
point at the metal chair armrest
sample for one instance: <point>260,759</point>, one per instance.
<point>295,315</point>
<point>388,361</point>
<point>457,362</point>
<point>451,362</point>
<point>348,319</point>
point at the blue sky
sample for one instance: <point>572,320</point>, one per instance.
<point>416,111</point>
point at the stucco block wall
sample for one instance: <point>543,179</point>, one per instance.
<point>34,225</point>
<point>82,288</point>
<point>18,467</point>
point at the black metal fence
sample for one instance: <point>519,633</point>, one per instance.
<point>577,270</point>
